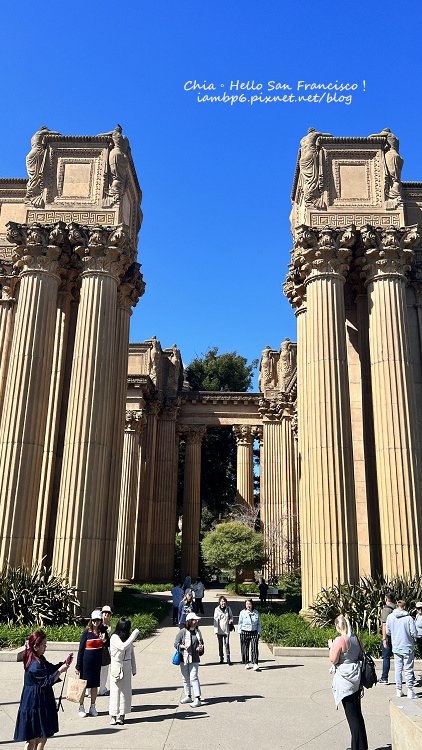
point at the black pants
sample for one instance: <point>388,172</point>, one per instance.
<point>223,641</point>
<point>352,709</point>
<point>199,607</point>
<point>249,640</point>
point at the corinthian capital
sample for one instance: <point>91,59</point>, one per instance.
<point>131,288</point>
<point>193,433</point>
<point>294,287</point>
<point>102,249</point>
<point>37,247</point>
<point>323,252</point>
<point>388,252</point>
<point>244,433</point>
<point>135,421</point>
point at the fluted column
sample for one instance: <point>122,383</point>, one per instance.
<point>128,491</point>
<point>145,505</point>
<point>245,435</point>
<point>305,523</point>
<point>24,414</point>
<point>130,289</point>
<point>270,509</point>
<point>388,256</point>
<point>323,258</point>
<point>7,308</point>
<point>163,521</point>
<point>289,511</point>
<point>82,505</point>
<point>192,500</point>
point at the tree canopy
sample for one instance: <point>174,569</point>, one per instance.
<point>233,546</point>
<point>220,372</point>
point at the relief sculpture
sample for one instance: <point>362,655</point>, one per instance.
<point>35,161</point>
<point>118,165</point>
<point>393,167</point>
<point>311,169</point>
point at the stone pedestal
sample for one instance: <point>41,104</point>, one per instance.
<point>22,427</point>
<point>163,516</point>
<point>191,500</point>
<point>82,505</point>
<point>128,492</point>
<point>388,256</point>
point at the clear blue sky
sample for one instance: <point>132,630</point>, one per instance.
<point>216,178</point>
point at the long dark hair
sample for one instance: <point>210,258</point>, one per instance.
<point>30,654</point>
<point>123,629</point>
<point>250,600</point>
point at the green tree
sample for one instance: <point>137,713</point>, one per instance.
<point>233,546</point>
<point>220,372</point>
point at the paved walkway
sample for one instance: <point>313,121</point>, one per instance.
<point>288,705</point>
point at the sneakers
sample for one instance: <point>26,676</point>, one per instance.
<point>248,666</point>
<point>411,694</point>
<point>186,699</point>
<point>399,693</point>
<point>81,712</point>
<point>92,711</point>
<point>256,668</point>
<point>104,691</point>
<point>113,721</point>
<point>120,719</point>
<point>382,681</point>
<point>196,703</point>
<point>229,662</point>
<point>221,661</point>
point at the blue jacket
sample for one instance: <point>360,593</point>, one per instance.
<point>249,621</point>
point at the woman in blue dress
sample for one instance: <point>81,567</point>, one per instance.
<point>37,716</point>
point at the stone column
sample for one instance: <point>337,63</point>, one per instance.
<point>22,427</point>
<point>245,435</point>
<point>289,510</point>
<point>163,521</point>
<point>145,509</point>
<point>270,509</point>
<point>7,308</point>
<point>128,492</point>
<point>323,258</point>
<point>130,289</point>
<point>82,504</point>
<point>388,256</point>
<point>191,499</point>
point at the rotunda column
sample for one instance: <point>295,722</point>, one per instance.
<point>7,308</point>
<point>135,422</point>
<point>323,258</point>
<point>245,435</point>
<point>22,429</point>
<point>84,486</point>
<point>145,509</point>
<point>191,499</point>
<point>387,260</point>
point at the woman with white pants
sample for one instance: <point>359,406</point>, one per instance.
<point>122,667</point>
<point>190,643</point>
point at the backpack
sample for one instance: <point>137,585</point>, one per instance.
<point>368,675</point>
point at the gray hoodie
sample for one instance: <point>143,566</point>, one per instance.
<point>401,626</point>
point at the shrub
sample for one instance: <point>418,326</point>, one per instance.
<point>150,588</point>
<point>243,588</point>
<point>29,595</point>
<point>362,602</point>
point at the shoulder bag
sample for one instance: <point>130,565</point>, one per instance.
<point>76,689</point>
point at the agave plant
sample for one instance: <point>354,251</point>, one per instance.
<point>362,602</point>
<point>36,595</point>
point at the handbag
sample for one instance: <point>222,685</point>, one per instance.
<point>105,657</point>
<point>231,627</point>
<point>177,658</point>
<point>76,690</point>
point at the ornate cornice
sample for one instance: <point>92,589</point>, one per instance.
<point>274,409</point>
<point>220,397</point>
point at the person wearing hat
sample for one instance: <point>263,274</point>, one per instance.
<point>418,623</point>
<point>88,663</point>
<point>105,667</point>
<point>190,643</point>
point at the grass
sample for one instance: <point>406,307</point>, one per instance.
<point>150,588</point>
<point>145,614</point>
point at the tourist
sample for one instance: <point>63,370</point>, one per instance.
<point>263,590</point>
<point>418,624</point>
<point>123,666</point>
<point>198,591</point>
<point>88,663</point>
<point>105,662</point>
<point>190,643</point>
<point>249,631</point>
<point>186,583</point>
<point>345,652</point>
<point>386,649</point>
<point>223,624</point>
<point>177,596</point>
<point>37,718</point>
<point>401,626</point>
<point>185,606</point>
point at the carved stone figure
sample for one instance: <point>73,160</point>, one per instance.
<point>174,370</point>
<point>286,363</point>
<point>394,165</point>
<point>118,165</point>
<point>309,168</point>
<point>266,370</point>
<point>35,165</point>
<point>154,360</point>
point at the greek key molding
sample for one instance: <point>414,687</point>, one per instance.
<point>79,217</point>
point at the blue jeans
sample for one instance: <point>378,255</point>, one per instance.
<point>386,652</point>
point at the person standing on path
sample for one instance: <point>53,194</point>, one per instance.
<point>190,643</point>
<point>386,650</point>
<point>105,667</point>
<point>223,624</point>
<point>249,631</point>
<point>123,666</point>
<point>198,590</point>
<point>401,626</point>
<point>263,590</point>
<point>88,663</point>
<point>185,607</point>
<point>345,652</point>
<point>177,596</point>
<point>418,623</point>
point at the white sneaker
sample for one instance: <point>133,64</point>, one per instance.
<point>81,712</point>
<point>113,720</point>
<point>411,694</point>
<point>186,699</point>
<point>196,703</point>
<point>87,692</point>
<point>256,668</point>
<point>248,666</point>
<point>399,693</point>
<point>93,711</point>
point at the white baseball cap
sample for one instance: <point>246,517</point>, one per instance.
<point>96,615</point>
<point>106,608</point>
<point>192,616</point>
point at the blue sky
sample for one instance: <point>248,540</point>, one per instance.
<point>216,178</point>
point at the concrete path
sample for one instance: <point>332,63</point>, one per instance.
<point>287,705</point>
